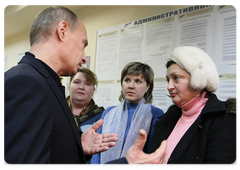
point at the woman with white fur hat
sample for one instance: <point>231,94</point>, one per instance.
<point>198,128</point>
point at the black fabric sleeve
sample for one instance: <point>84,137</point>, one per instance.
<point>122,160</point>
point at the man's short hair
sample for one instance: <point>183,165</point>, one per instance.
<point>47,21</point>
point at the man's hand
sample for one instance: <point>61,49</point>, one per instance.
<point>135,155</point>
<point>93,142</point>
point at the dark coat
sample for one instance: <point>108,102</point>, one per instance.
<point>210,139</point>
<point>39,126</point>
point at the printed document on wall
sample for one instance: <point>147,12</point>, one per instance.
<point>196,29</point>
<point>160,94</point>
<point>106,55</point>
<point>227,87</point>
<point>158,44</point>
<point>226,35</point>
<point>130,45</point>
<point>105,95</point>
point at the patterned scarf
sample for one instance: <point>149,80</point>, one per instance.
<point>89,111</point>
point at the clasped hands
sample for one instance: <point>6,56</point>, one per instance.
<point>93,142</point>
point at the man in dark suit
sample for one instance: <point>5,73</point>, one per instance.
<point>39,126</point>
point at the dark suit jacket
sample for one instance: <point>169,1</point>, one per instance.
<point>39,126</point>
<point>210,139</point>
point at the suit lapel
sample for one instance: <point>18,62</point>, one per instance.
<point>65,107</point>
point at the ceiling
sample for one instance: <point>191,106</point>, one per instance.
<point>18,18</point>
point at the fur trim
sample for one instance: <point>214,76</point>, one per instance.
<point>231,105</point>
<point>199,65</point>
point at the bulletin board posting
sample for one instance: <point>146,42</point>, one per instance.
<point>151,40</point>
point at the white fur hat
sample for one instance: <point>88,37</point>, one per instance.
<point>201,67</point>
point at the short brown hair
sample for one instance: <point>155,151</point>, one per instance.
<point>47,21</point>
<point>89,75</point>
<point>137,68</point>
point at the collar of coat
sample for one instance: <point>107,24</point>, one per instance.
<point>212,107</point>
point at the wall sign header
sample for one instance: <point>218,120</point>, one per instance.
<point>168,14</point>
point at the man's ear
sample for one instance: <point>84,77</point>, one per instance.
<point>62,30</point>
